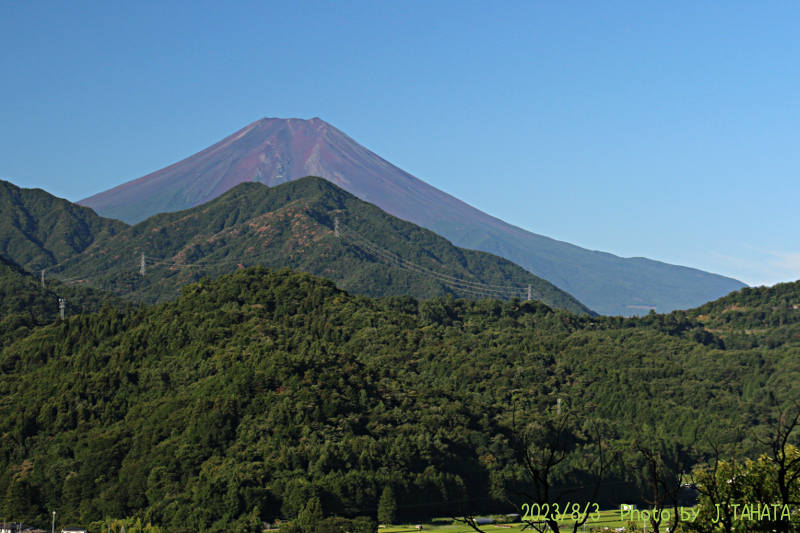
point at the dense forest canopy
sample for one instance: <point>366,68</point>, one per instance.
<point>290,225</point>
<point>38,230</point>
<point>255,394</point>
<point>21,293</point>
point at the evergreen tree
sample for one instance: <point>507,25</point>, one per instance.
<point>310,517</point>
<point>387,506</point>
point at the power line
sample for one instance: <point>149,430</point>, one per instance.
<point>359,239</point>
<point>375,249</point>
<point>463,285</point>
<point>137,295</point>
<point>152,293</point>
<point>394,260</point>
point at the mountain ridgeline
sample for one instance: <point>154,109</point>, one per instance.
<point>754,317</point>
<point>254,395</point>
<point>290,225</point>
<point>273,151</point>
<point>38,230</point>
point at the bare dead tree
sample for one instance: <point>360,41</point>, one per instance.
<point>720,490</point>
<point>780,437</point>
<point>660,466</point>
<point>542,447</point>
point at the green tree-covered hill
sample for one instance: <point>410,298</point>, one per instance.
<point>38,230</point>
<point>257,393</point>
<point>292,225</point>
<point>755,317</point>
<point>25,304</point>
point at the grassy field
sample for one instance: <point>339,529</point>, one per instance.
<point>607,520</point>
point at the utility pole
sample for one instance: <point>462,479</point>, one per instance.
<point>558,406</point>
<point>62,304</point>
<point>336,227</point>
<point>43,278</point>
<point>53,529</point>
<point>530,296</point>
<point>141,270</point>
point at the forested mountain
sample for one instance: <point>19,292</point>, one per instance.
<point>292,225</point>
<point>273,151</point>
<point>22,294</point>
<point>753,308</point>
<point>38,230</point>
<point>255,394</point>
<point>754,317</point>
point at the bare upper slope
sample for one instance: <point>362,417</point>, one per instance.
<point>274,151</point>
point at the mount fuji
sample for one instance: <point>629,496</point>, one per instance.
<point>274,151</point>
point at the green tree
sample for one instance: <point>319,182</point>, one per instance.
<point>310,517</point>
<point>20,501</point>
<point>738,496</point>
<point>364,524</point>
<point>552,448</point>
<point>387,506</point>
<point>779,435</point>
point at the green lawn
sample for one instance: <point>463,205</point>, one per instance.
<point>607,519</point>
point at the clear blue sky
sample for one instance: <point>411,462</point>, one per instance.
<point>669,130</point>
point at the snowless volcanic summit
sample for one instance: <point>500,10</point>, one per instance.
<point>273,151</point>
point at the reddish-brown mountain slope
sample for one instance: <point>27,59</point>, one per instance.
<point>274,151</point>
